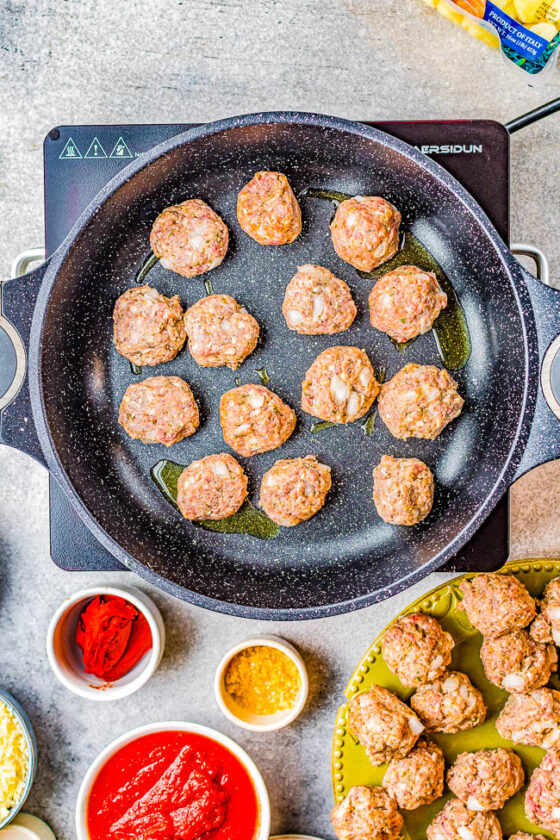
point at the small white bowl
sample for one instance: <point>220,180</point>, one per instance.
<point>65,657</point>
<point>263,832</point>
<point>261,723</point>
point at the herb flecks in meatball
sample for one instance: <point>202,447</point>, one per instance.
<point>417,649</point>
<point>160,409</point>
<point>419,401</point>
<point>449,704</point>
<point>497,604</point>
<point>365,231</point>
<point>148,327</point>
<point>213,488</point>
<point>486,779</point>
<point>318,303</point>
<point>294,490</point>
<point>220,332</point>
<point>418,778</point>
<point>367,813</point>
<point>542,800</point>
<point>516,662</point>
<point>385,726</point>
<point>255,420</point>
<point>189,238</point>
<point>405,302</point>
<point>532,719</point>
<point>403,490</point>
<point>340,386</point>
<point>457,822</point>
<point>268,210</point>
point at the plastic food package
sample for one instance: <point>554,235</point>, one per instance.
<point>526,31</point>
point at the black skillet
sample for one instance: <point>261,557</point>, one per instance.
<point>346,557</point>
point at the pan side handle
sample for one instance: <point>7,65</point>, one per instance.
<point>543,444</point>
<point>17,302</point>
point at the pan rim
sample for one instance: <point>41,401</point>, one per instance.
<point>526,408</point>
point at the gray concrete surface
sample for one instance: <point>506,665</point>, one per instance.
<point>79,61</point>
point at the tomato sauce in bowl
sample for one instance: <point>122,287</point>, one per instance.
<point>173,785</point>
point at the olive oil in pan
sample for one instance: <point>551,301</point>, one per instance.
<point>327,195</point>
<point>450,329</point>
<point>136,369</point>
<point>247,520</point>
<point>146,266</point>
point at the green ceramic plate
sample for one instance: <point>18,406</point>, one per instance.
<point>350,765</point>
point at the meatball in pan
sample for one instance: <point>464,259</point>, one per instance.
<point>255,420</point>
<point>148,327</point>
<point>340,386</point>
<point>403,490</point>
<point>318,303</point>
<point>220,332</point>
<point>417,649</point>
<point>365,231</point>
<point>213,488</point>
<point>268,210</point>
<point>405,302</point>
<point>189,238</point>
<point>160,409</point>
<point>367,813</point>
<point>385,726</point>
<point>294,490</point>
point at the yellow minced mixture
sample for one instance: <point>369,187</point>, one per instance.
<point>14,761</point>
<point>262,680</point>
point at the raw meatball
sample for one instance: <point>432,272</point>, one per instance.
<point>417,649</point>
<point>367,813</point>
<point>149,327</point>
<point>456,822</point>
<point>417,779</point>
<point>449,704</point>
<point>405,302</point>
<point>213,488</point>
<point>316,302</point>
<point>486,779</point>
<point>253,419</point>
<point>546,626</point>
<point>522,835</point>
<point>496,604</point>
<point>189,238</point>
<point>340,385</point>
<point>542,800</point>
<point>403,490</point>
<point>220,332</point>
<point>365,231</point>
<point>518,663</point>
<point>385,726</point>
<point>419,401</point>
<point>268,210</point>
<point>532,719</point>
<point>160,409</point>
<point>294,490</point>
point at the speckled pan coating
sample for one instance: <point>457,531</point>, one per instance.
<point>343,559</point>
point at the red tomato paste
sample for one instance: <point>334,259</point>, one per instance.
<point>173,786</point>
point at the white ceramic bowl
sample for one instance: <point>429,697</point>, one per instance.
<point>263,832</point>
<point>29,734</point>
<point>65,656</point>
<point>240,716</point>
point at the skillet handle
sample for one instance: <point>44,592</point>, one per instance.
<point>544,438</point>
<point>17,303</point>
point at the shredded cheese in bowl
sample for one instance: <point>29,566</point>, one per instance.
<point>14,761</point>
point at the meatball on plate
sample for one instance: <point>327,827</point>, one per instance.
<point>517,663</point>
<point>294,490</point>
<point>417,649</point>
<point>268,210</point>
<point>220,332</point>
<point>449,704</point>
<point>403,490</point>
<point>405,302</point>
<point>385,726</point>
<point>542,800</point>
<point>367,813</point>
<point>457,822</point>
<point>340,386</point>
<point>419,401</point>
<point>255,420</point>
<point>148,327</point>
<point>318,303</point>
<point>213,488</point>
<point>532,719</point>
<point>365,231</point>
<point>418,778</point>
<point>486,779</point>
<point>189,238</point>
<point>160,409</point>
<point>497,604</point>
<point>546,627</point>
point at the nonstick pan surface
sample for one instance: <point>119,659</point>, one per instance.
<point>346,556</point>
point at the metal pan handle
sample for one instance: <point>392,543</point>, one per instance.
<point>544,438</point>
<point>17,302</point>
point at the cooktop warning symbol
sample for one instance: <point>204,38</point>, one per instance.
<point>121,150</point>
<point>70,151</point>
<point>95,150</point>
